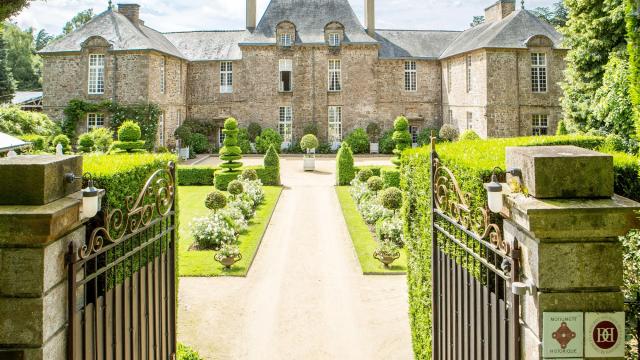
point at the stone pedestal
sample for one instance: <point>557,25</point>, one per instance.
<point>569,242</point>
<point>39,216</point>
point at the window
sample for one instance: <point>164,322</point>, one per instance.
<point>335,124</point>
<point>449,76</point>
<point>220,137</point>
<point>162,76</point>
<point>410,76</point>
<point>414,134</point>
<point>469,120</point>
<point>96,74</point>
<point>286,70</point>
<point>450,116</point>
<point>179,116</point>
<point>94,121</point>
<point>540,125</point>
<point>285,125</point>
<point>226,77</point>
<point>335,75</point>
<point>180,79</point>
<point>334,39</point>
<point>469,87</point>
<point>286,40</point>
<point>539,72</point>
<point>161,129</point>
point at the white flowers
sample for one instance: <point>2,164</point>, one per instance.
<point>212,231</point>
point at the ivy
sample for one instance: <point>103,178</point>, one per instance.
<point>145,114</point>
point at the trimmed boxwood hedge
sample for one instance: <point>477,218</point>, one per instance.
<point>223,178</point>
<point>345,171</point>
<point>269,176</point>
<point>195,175</point>
<point>390,177</point>
<point>376,169</point>
<point>472,164</point>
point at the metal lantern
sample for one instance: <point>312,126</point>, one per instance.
<point>494,194</point>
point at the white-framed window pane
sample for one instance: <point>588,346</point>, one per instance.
<point>335,124</point>
<point>161,129</point>
<point>335,75</point>
<point>450,116</point>
<point>334,39</point>
<point>286,74</point>
<point>469,120</point>
<point>96,74</point>
<point>540,125</point>
<point>410,76</point>
<point>94,121</point>
<point>538,72</point>
<point>226,77</point>
<point>286,39</point>
<point>468,66</point>
<point>413,130</point>
<point>162,75</point>
<point>285,124</point>
<point>221,136</point>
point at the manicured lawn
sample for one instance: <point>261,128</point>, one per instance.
<point>201,263</point>
<point>363,240</point>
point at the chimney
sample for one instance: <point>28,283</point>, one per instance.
<point>131,11</point>
<point>251,15</point>
<point>370,17</point>
<point>500,10</point>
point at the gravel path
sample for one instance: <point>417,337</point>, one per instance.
<point>305,296</point>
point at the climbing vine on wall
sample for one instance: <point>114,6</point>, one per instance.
<point>146,115</point>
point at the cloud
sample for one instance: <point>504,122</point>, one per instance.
<point>171,15</point>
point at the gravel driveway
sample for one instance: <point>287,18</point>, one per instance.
<point>305,296</point>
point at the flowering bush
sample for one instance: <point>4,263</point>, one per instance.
<point>212,231</point>
<point>236,218</point>
<point>244,205</point>
<point>229,250</point>
<point>359,190</point>
<point>372,211</point>
<point>253,191</point>
<point>390,229</point>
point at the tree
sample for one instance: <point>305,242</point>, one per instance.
<point>613,110</point>
<point>556,15</point>
<point>7,86</point>
<point>589,54</point>
<point>77,21</point>
<point>633,37</point>
<point>8,8</point>
<point>477,20</point>
<point>42,39</point>
<point>25,65</point>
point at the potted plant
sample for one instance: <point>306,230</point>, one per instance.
<point>387,253</point>
<point>309,143</point>
<point>228,255</point>
<point>374,131</point>
<point>183,133</point>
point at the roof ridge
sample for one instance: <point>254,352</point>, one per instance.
<point>203,31</point>
<point>422,30</point>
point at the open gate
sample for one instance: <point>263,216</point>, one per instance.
<point>475,314</point>
<point>121,282</point>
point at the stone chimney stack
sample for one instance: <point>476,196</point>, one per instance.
<point>500,10</point>
<point>370,17</point>
<point>251,15</point>
<point>131,11</point>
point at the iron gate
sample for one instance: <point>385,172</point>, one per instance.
<point>475,314</point>
<point>121,282</point>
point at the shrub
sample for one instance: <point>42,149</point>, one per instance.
<point>63,140</point>
<point>469,135</point>
<point>345,171</point>
<point>375,184</point>
<point>244,205</point>
<point>389,229</point>
<point>424,137</point>
<point>236,218</point>
<point>127,146</point>
<point>230,152</point>
<point>562,128</point>
<point>391,198</point>
<point>222,179</point>
<point>364,175</point>
<point>359,141</point>
<point>249,174</point>
<point>324,148</point>
<point>187,353</point>
<point>243,141</point>
<point>235,188</point>
<point>85,143</point>
<point>199,144</point>
<point>195,175</point>
<point>270,174</point>
<point>129,131</point>
<point>268,138</point>
<point>209,233</point>
<point>359,191</point>
<point>253,131</point>
<point>16,122</point>
<point>401,137</point>
<point>311,128</point>
<point>38,142</point>
<point>449,132</point>
<point>184,133</point>
<point>386,143</point>
<point>390,177</point>
<point>372,211</point>
<point>102,139</point>
<point>373,132</point>
<point>309,142</point>
<point>253,191</point>
<point>215,200</point>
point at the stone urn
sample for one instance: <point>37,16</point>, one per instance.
<point>385,258</point>
<point>228,261</point>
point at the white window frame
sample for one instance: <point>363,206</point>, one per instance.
<point>469,120</point>
<point>540,124</point>
<point>226,77</point>
<point>221,136</point>
<point>334,39</point>
<point>285,65</point>
<point>162,75</point>
<point>410,76</point>
<point>335,124</point>
<point>95,121</point>
<point>335,75</point>
<point>468,65</point>
<point>161,128</point>
<point>96,74</point>
<point>539,72</point>
<point>286,40</point>
<point>451,116</point>
<point>285,124</point>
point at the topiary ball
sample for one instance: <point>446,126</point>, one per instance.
<point>61,139</point>
<point>309,142</point>
<point>235,188</point>
<point>401,124</point>
<point>231,124</point>
<point>364,175</point>
<point>391,198</point>
<point>375,183</point>
<point>469,135</point>
<point>249,174</point>
<point>129,131</point>
<point>449,132</point>
<point>216,200</point>
<point>85,141</point>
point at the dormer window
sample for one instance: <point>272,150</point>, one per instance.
<point>286,40</point>
<point>333,34</point>
<point>334,39</point>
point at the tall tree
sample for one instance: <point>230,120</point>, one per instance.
<point>632,8</point>
<point>9,8</point>
<point>42,39</point>
<point>77,21</point>
<point>477,20</point>
<point>21,57</point>
<point>556,15</point>
<point>595,29</point>
<point>7,87</point>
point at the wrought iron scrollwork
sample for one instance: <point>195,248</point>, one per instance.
<point>457,204</point>
<point>155,200</point>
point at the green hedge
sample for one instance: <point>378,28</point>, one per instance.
<point>377,170</point>
<point>345,171</point>
<point>269,176</point>
<point>223,178</point>
<point>472,163</point>
<point>195,175</point>
<point>391,177</point>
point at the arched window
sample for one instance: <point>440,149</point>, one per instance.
<point>286,34</point>
<point>334,34</point>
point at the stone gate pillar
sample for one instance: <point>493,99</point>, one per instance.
<point>568,229</point>
<point>39,216</point>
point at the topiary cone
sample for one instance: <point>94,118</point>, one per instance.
<point>230,152</point>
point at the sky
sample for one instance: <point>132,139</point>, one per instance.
<point>181,15</point>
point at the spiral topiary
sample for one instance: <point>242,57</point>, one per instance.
<point>364,175</point>
<point>216,200</point>
<point>375,184</point>
<point>391,198</point>
<point>231,152</point>
<point>309,142</point>
<point>402,138</point>
<point>249,174</point>
<point>235,188</point>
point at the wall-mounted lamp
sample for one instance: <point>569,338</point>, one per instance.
<point>91,196</point>
<point>494,189</point>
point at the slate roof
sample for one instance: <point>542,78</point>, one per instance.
<point>310,18</point>
<point>421,44</point>
<point>208,45</point>
<point>22,97</point>
<point>511,32</point>
<point>117,30</point>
